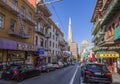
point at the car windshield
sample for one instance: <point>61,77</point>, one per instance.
<point>14,68</point>
<point>97,67</point>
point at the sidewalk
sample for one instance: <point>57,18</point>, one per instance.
<point>116,78</point>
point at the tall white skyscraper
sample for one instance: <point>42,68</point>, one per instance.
<point>70,32</point>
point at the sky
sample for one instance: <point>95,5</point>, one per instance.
<point>80,12</point>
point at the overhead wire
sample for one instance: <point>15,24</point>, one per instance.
<point>59,19</point>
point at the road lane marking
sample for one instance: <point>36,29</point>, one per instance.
<point>72,79</point>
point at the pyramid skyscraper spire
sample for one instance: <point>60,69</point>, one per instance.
<point>70,31</point>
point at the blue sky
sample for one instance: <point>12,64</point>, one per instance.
<point>80,12</point>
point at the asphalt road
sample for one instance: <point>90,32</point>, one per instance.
<point>67,75</point>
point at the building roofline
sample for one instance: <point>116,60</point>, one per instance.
<point>95,8</point>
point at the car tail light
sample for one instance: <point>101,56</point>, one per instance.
<point>108,74</point>
<point>15,72</point>
<point>87,72</point>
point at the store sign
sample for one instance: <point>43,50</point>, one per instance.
<point>108,55</point>
<point>40,52</point>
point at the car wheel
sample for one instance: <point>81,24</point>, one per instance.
<point>48,70</point>
<point>20,78</point>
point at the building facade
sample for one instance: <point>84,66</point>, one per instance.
<point>83,46</point>
<point>73,45</point>
<point>42,34</point>
<point>17,31</point>
<point>74,50</point>
<point>106,18</point>
<point>56,41</point>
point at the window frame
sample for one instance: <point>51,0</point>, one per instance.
<point>2,21</point>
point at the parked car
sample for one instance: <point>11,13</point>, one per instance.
<point>20,72</point>
<point>65,64</point>
<point>56,65</point>
<point>60,64</point>
<point>50,66</point>
<point>44,67</point>
<point>96,73</point>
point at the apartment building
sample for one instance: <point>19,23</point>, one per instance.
<point>42,35</point>
<point>106,19</point>
<point>83,46</point>
<point>56,41</point>
<point>17,31</point>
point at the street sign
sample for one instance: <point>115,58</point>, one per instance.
<point>40,52</point>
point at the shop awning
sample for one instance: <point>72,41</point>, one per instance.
<point>117,33</point>
<point>8,44</point>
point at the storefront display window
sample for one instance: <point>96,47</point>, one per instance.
<point>16,56</point>
<point>118,63</point>
<point>1,56</point>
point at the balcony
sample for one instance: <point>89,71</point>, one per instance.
<point>40,31</point>
<point>111,11</point>
<point>13,32</point>
<point>25,35</point>
<point>7,4</point>
<point>47,35</point>
<point>96,26</point>
<point>47,49</point>
<point>95,37</point>
<point>104,6</point>
<point>40,16</point>
<point>57,34</point>
<point>30,20</point>
<point>62,42</point>
<point>101,33</point>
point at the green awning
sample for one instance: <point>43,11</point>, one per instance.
<point>117,33</point>
<point>85,55</point>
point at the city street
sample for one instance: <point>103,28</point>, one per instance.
<point>67,75</point>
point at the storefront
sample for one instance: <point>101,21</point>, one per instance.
<point>1,56</point>
<point>118,65</point>
<point>109,58</point>
<point>28,50</point>
<point>15,56</point>
<point>16,52</point>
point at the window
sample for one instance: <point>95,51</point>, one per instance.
<point>1,20</point>
<point>41,41</point>
<point>53,29</point>
<point>23,11</point>
<point>53,44</point>
<point>1,54</point>
<point>14,4</point>
<point>45,43</point>
<point>113,25</point>
<point>50,43</point>
<point>53,52</point>
<point>53,37</point>
<point>30,16</point>
<point>119,21</point>
<point>50,34</point>
<point>29,30</point>
<point>12,25</point>
<point>36,40</point>
<point>56,45</point>
<point>56,38</point>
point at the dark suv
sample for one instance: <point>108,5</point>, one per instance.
<point>20,72</point>
<point>96,73</point>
